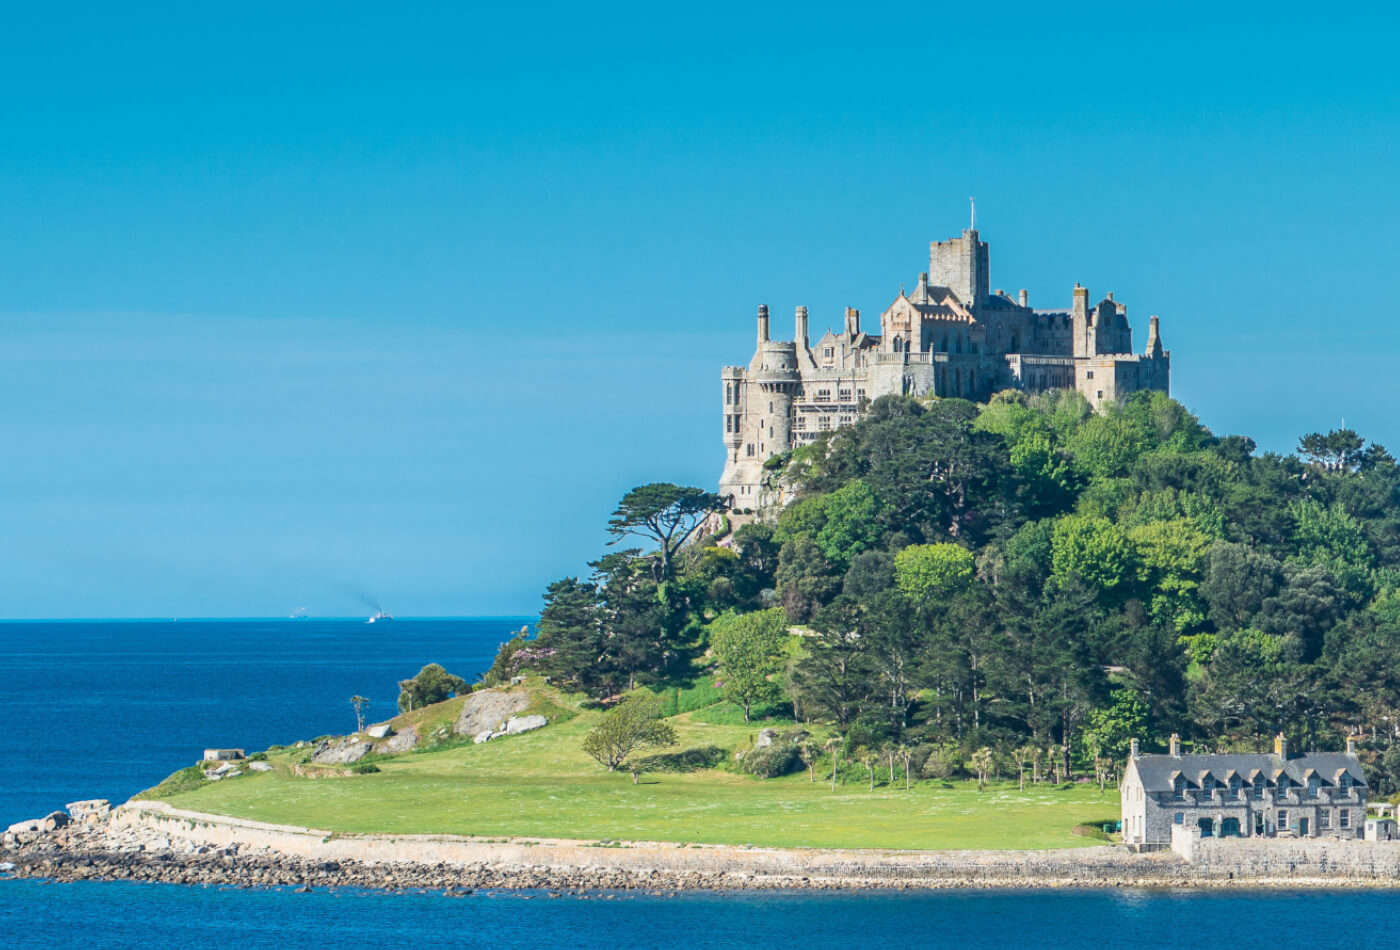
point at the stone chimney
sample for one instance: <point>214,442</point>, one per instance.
<point>801,337</point>
<point>1281,746</point>
<point>1133,751</point>
<point>1154,337</point>
<point>1351,745</point>
<point>1025,299</point>
<point>762,323</point>
<point>1174,746</point>
<point>852,321</point>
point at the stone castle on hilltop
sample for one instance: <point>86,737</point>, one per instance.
<point>951,337</point>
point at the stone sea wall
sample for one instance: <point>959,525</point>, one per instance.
<point>153,841</point>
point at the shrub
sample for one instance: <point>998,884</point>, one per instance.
<point>364,768</point>
<point>686,760</point>
<point>258,757</point>
<point>771,761</point>
<point>941,763</point>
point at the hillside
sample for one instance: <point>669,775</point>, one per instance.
<point>541,785</point>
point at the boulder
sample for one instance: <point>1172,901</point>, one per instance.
<point>340,751</point>
<point>259,766</point>
<point>89,808</point>
<point>50,822</point>
<point>485,736</point>
<point>485,709</point>
<point>766,737</point>
<point>519,724</point>
<point>379,730</point>
<point>399,742</point>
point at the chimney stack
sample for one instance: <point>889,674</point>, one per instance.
<point>1351,745</point>
<point>1025,299</point>
<point>1133,748</point>
<point>852,321</point>
<point>762,323</point>
<point>801,328</point>
<point>1281,746</point>
<point>1174,746</point>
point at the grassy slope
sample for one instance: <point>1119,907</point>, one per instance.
<point>542,785</point>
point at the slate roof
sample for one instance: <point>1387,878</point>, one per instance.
<point>1157,772</point>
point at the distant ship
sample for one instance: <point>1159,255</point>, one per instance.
<point>300,614</point>
<point>380,616</point>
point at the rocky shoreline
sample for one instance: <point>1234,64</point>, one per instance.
<point>151,842</point>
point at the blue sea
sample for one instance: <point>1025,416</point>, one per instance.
<point>106,709</point>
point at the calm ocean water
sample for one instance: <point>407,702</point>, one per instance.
<point>106,709</point>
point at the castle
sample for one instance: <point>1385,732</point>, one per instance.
<point>951,337</point>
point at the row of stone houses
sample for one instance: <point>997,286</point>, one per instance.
<point>1243,794</point>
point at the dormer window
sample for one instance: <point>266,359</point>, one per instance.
<point>1313,784</point>
<point>1281,791</point>
<point>1179,788</point>
<point>1235,786</point>
<point>1207,784</point>
<point>1344,782</point>
<point>1259,784</point>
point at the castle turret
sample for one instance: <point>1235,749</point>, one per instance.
<point>762,324</point>
<point>778,380</point>
<point>1025,299</point>
<point>802,338</point>
<point>732,383</point>
<point>852,322</point>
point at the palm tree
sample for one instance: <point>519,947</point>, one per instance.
<point>1027,753</point>
<point>982,762</point>
<point>907,754</point>
<point>809,752</point>
<point>834,744</point>
<point>360,704</point>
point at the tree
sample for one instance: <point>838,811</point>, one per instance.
<point>665,514</point>
<point>632,724</point>
<point>1337,451</point>
<point>433,684</point>
<point>1110,731</point>
<point>809,752</point>
<point>360,704</point>
<point>928,571</point>
<point>749,648</point>
<point>573,647</point>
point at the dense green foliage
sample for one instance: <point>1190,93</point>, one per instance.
<point>433,684</point>
<point>1035,580</point>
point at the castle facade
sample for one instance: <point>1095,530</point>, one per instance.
<point>951,337</point>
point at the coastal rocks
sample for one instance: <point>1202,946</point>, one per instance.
<point>341,751</point>
<point>259,767</point>
<point>379,730</point>
<point>518,724</point>
<point>485,710</point>
<point>50,822</point>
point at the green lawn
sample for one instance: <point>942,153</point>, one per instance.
<point>542,785</point>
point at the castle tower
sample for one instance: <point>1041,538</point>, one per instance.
<point>762,324</point>
<point>852,322</point>
<point>961,265</point>
<point>803,338</point>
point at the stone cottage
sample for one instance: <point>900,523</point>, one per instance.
<point>1250,795</point>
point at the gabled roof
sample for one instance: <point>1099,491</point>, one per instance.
<point>1157,772</point>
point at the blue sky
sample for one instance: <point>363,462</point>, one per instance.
<point>299,302</point>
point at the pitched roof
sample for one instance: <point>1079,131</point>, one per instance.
<point>1158,771</point>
